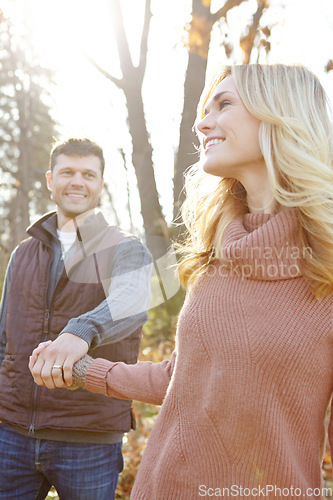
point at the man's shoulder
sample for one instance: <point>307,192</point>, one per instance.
<point>36,232</point>
<point>24,244</point>
<point>118,236</point>
<point>129,240</point>
<point>125,249</point>
<point>24,248</point>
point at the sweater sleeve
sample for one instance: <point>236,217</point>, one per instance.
<point>144,381</point>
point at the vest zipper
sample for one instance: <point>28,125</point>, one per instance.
<point>46,334</point>
<point>36,387</point>
<point>47,317</point>
<point>33,417</point>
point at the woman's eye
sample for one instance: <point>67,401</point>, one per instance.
<point>223,104</point>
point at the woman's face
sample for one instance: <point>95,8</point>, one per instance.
<point>231,133</point>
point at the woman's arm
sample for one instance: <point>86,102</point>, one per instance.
<point>144,381</point>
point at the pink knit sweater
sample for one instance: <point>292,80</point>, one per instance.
<point>246,391</point>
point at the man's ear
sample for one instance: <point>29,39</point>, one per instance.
<point>48,176</point>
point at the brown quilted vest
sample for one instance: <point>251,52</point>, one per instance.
<point>22,402</point>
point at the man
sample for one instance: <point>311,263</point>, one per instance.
<point>84,285</point>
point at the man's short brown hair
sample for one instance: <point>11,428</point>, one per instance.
<point>77,147</point>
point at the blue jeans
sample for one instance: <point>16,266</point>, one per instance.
<point>78,471</point>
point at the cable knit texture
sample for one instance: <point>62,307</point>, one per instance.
<point>246,396</point>
<point>79,372</point>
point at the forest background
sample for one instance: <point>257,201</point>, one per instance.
<point>129,74</point>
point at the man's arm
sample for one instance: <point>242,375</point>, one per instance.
<point>3,308</point>
<point>119,315</point>
<point>126,307</point>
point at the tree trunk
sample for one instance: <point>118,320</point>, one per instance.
<point>198,43</point>
<point>188,142</point>
<point>199,35</point>
<point>155,227</point>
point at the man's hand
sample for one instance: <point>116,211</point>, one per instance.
<point>51,363</point>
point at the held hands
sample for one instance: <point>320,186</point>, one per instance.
<point>51,363</point>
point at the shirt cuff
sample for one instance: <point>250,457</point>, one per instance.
<point>84,331</point>
<point>96,375</point>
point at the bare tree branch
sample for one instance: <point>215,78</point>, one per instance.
<point>222,12</point>
<point>125,58</point>
<point>116,81</point>
<point>132,228</point>
<point>247,41</point>
<point>144,39</point>
<point>107,192</point>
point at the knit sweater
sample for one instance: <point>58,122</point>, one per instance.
<point>246,391</point>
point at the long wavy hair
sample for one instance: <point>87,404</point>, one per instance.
<point>296,141</point>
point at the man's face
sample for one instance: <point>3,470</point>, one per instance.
<point>76,183</point>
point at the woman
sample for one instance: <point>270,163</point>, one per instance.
<point>245,394</point>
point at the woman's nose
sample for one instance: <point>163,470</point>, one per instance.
<point>205,124</point>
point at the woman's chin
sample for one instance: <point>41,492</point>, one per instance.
<point>210,169</point>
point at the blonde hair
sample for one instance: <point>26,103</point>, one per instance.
<point>296,141</point>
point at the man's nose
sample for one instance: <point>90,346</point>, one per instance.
<point>77,179</point>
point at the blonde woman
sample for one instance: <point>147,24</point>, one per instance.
<point>245,394</point>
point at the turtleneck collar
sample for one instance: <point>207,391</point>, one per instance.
<point>264,246</point>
